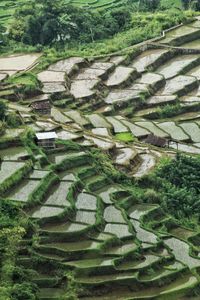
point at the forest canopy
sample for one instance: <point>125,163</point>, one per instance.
<point>49,22</point>
<point>46,22</point>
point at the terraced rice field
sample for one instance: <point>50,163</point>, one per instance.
<point>97,4</point>
<point>118,254</point>
<point>8,169</point>
<point>75,240</point>
<point>90,225</point>
<point>21,193</point>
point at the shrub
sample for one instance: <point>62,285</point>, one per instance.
<point>151,196</point>
<point>26,83</point>
<point>2,128</point>
<point>3,109</point>
<point>25,291</point>
<point>13,120</point>
<point>169,110</point>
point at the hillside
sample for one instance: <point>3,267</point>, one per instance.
<point>100,159</point>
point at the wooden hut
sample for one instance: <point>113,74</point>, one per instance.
<point>42,107</point>
<point>156,140</point>
<point>46,139</point>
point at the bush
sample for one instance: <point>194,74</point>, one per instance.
<point>25,291</point>
<point>151,196</point>
<point>3,109</point>
<point>26,83</point>
<point>4,293</point>
<point>13,120</point>
<point>2,128</point>
<point>9,213</point>
<point>169,110</point>
<point>179,186</point>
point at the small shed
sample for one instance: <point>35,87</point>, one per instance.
<point>46,139</point>
<point>42,107</point>
<point>156,140</point>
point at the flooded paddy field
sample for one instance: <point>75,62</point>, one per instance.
<point>8,168</point>
<point>24,190</point>
<point>58,195</point>
<point>13,153</point>
<point>13,64</point>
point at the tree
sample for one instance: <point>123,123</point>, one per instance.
<point>39,22</point>
<point>46,22</point>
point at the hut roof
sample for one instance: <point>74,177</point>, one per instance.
<point>156,140</point>
<point>46,135</point>
<point>41,104</point>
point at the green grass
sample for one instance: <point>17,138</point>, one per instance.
<point>125,137</point>
<point>24,79</point>
<point>7,9</point>
<point>26,82</point>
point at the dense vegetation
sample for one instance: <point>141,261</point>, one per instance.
<point>176,182</point>
<point>46,22</point>
<point>180,186</point>
<point>57,22</point>
<point>13,227</point>
<point>75,30</point>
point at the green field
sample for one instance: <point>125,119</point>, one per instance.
<point>7,9</point>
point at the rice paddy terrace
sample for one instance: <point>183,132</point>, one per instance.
<point>87,224</point>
